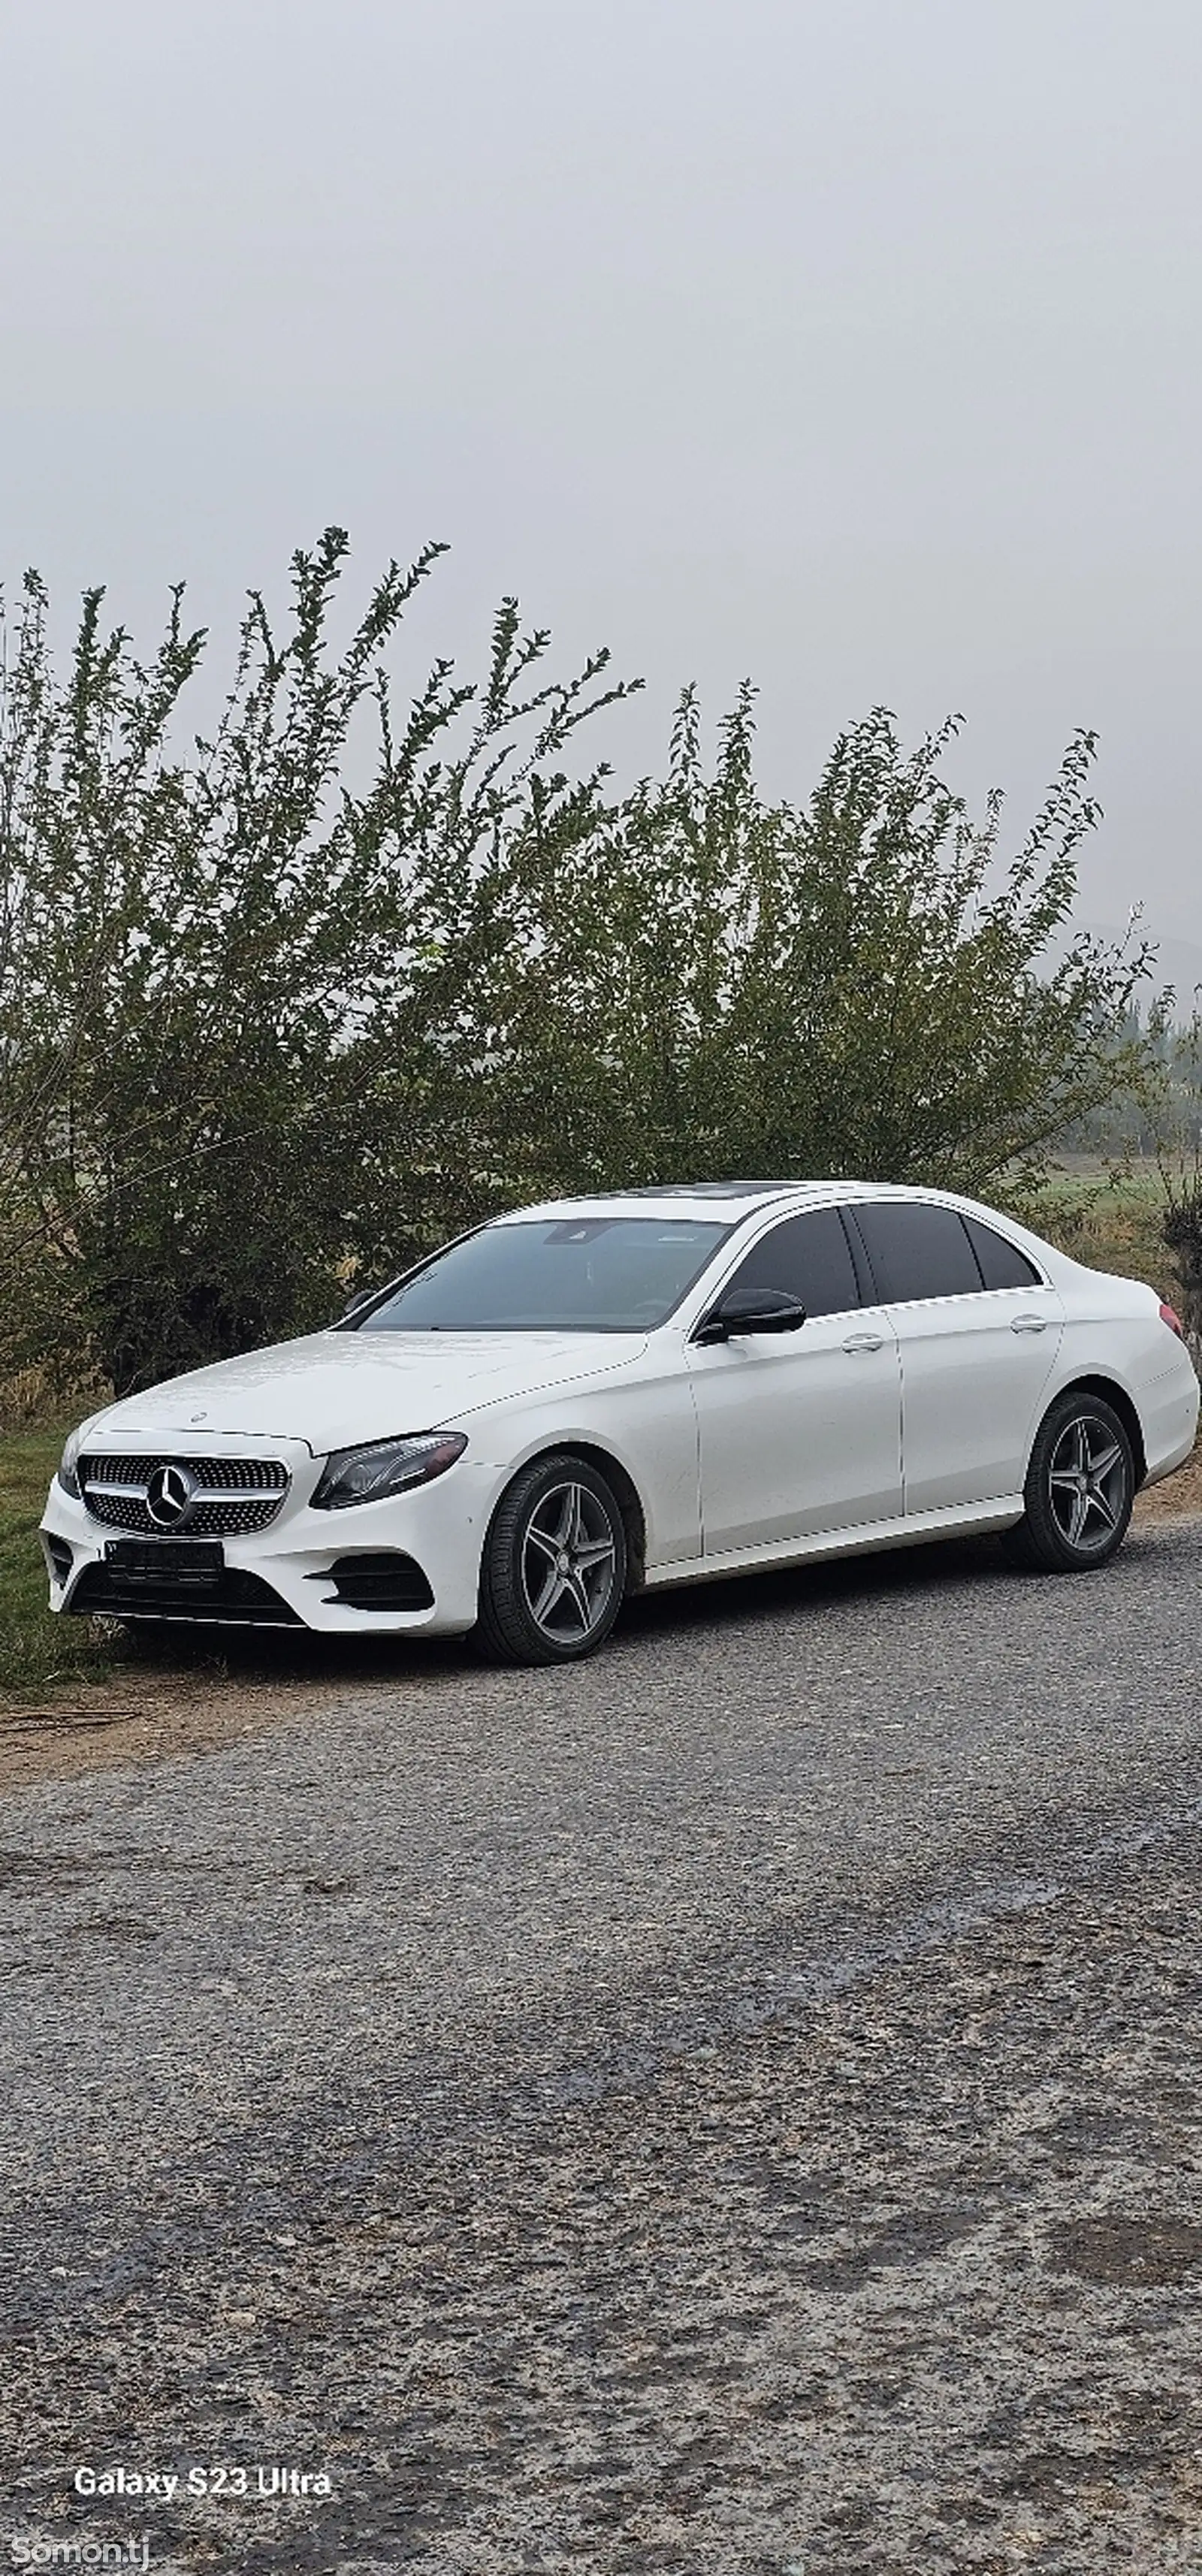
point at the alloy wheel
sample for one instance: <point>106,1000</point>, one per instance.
<point>1087,1483</point>
<point>569,1563</point>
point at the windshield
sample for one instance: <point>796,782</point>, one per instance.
<point>596,1274</point>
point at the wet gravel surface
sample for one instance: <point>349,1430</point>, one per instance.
<point>733,2109</point>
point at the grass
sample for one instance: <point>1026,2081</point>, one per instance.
<point>37,1652</point>
<point>1109,1222</point>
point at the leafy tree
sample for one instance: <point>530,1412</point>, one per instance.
<point>1178,1140</point>
<point>709,984</point>
<point>223,977</point>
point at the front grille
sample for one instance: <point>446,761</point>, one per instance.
<point>232,1495</point>
<point>235,1599</point>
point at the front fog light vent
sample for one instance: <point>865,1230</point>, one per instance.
<point>382,1581</point>
<point>59,1558</point>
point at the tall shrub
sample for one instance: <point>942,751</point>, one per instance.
<point>712,984</point>
<point>224,969</point>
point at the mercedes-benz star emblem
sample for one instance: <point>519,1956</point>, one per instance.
<point>169,1496</point>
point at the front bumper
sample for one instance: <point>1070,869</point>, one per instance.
<point>440,1527</point>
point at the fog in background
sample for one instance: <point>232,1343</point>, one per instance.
<point>852,344</point>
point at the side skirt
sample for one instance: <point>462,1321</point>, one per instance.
<point>907,1530</point>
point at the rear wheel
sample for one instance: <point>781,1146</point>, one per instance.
<point>554,1569</point>
<point>1079,1490</point>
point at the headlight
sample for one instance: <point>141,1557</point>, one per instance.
<point>68,1476</point>
<point>385,1467</point>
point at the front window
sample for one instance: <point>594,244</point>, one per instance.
<point>585,1274</point>
<point>809,1257</point>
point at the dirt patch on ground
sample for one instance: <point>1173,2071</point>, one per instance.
<point>135,1721</point>
<point>1175,1498</point>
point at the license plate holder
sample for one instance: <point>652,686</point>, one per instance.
<point>196,1562</point>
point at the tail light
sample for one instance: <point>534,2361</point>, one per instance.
<point>1175,1325</point>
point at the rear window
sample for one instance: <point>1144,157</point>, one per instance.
<point>917,1251</point>
<point>1002,1264</point>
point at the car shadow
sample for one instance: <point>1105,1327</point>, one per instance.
<point>285,1658</point>
<point>729,1598</point>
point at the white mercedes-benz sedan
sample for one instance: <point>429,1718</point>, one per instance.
<point>600,1396</point>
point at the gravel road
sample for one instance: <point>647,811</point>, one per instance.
<point>732,2109</point>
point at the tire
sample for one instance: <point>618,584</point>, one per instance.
<point>554,1569</point>
<point>1069,1525</point>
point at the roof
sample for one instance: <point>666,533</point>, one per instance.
<point>728,1199</point>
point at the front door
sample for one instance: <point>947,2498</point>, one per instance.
<point>799,1432</point>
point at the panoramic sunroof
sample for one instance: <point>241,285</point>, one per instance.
<point>705,1189</point>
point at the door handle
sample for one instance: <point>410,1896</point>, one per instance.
<point>865,1342</point>
<point>1029,1324</point>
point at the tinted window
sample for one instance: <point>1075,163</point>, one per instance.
<point>917,1251</point>
<point>559,1274</point>
<point>1002,1264</point>
<point>807,1256</point>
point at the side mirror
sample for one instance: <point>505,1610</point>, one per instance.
<point>751,1310</point>
<point>362,1297</point>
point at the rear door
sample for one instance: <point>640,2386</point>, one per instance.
<point>799,1432</point>
<point>978,1331</point>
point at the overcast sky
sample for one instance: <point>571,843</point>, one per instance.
<point>851,344</point>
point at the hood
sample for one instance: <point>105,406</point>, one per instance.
<point>333,1390</point>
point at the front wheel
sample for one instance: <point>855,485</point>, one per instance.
<point>554,1569</point>
<point>1079,1490</point>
